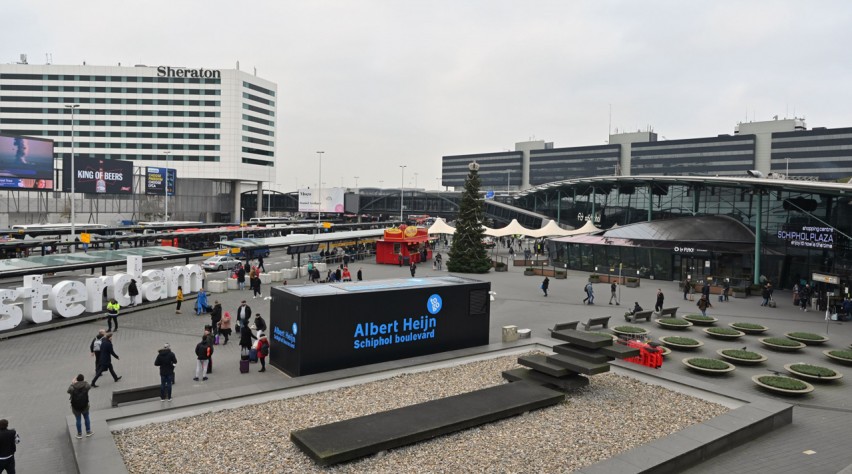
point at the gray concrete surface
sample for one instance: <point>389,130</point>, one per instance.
<point>36,369</point>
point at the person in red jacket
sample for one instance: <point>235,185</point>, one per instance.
<point>346,275</point>
<point>262,351</point>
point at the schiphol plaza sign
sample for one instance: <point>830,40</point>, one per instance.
<point>167,71</point>
<point>69,299</point>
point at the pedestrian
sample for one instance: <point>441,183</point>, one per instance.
<point>440,259</point>
<point>545,284</point>
<point>259,323</point>
<point>796,294</point>
<point>346,275</point>
<point>179,299</point>
<point>703,304</point>
<point>133,292</point>
<point>255,286</point>
<point>79,391</point>
<point>586,288</point>
<point>262,349</point>
<point>243,315</point>
<point>112,314</point>
<point>216,317</point>
<point>9,439</point>
<point>726,290</point>
<point>245,339</point>
<point>658,306</point>
<point>225,327</point>
<point>202,352</point>
<point>166,361</point>
<point>613,288</point>
<point>241,278</point>
<point>107,353</point>
<point>766,293</point>
<point>705,290</point>
<point>399,259</point>
<point>804,296</point>
<point>686,285</point>
<point>260,264</point>
<point>412,268</point>
<point>95,347</point>
<point>208,333</point>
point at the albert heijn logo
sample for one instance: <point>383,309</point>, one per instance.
<point>434,304</point>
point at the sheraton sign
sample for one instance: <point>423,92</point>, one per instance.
<point>166,71</point>
<point>68,299</point>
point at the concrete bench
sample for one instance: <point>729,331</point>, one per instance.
<point>289,273</point>
<point>561,326</point>
<point>604,322</point>
<point>217,286</point>
<point>276,276</point>
<point>232,284</point>
<point>632,317</point>
<point>135,394</point>
<point>671,312</point>
<point>265,278</point>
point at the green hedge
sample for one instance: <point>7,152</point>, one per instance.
<point>673,321</point>
<point>630,329</point>
<point>681,341</point>
<point>782,341</point>
<point>724,331</point>
<point>711,364</point>
<point>786,383</point>
<point>806,335</point>
<point>749,326</point>
<point>741,354</point>
<point>813,370</point>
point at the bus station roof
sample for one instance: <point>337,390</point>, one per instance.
<point>92,258</point>
<point>297,239</point>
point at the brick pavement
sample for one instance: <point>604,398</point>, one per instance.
<point>36,369</point>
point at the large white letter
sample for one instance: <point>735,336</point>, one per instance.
<point>134,267</point>
<point>66,298</point>
<point>189,277</point>
<point>118,289</point>
<point>95,293</point>
<point>10,314</point>
<point>33,293</point>
<point>153,287</point>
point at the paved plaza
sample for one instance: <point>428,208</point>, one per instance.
<point>35,369</point>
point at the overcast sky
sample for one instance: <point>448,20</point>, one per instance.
<point>378,84</point>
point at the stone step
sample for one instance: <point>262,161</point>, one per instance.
<point>582,353</point>
<point>580,338</point>
<point>578,365</point>
<point>539,362</point>
<point>362,436</point>
<point>619,351</point>
<point>566,384</point>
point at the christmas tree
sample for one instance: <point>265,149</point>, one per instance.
<point>468,254</point>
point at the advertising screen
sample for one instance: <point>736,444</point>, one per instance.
<point>26,163</point>
<point>813,236</point>
<point>155,177</point>
<point>97,176</point>
<point>332,200</point>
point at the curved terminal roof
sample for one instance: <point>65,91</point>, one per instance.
<point>686,229</point>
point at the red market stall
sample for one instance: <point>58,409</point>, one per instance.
<point>406,243</point>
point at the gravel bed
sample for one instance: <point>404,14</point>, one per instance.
<point>613,414</point>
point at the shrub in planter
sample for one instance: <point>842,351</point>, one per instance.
<point>781,343</point>
<point>806,337</point>
<point>630,330</point>
<point>782,384</point>
<point>813,372</point>
<point>631,282</point>
<point>742,357</point>
<point>708,365</point>
<point>700,320</point>
<point>844,356</point>
<point>749,328</point>
<point>673,323</point>
<point>529,271</point>
<point>684,343</point>
<point>594,278</point>
<point>561,275</point>
<point>724,333</point>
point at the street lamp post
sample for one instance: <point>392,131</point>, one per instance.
<point>242,227</point>
<point>401,191</point>
<point>73,179</point>
<point>166,186</point>
<point>319,191</point>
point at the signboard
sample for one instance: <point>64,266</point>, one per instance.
<point>831,279</point>
<point>690,249</point>
<point>332,200</point>
<point>26,163</point>
<point>155,177</point>
<point>819,237</point>
<point>97,176</point>
<point>318,328</point>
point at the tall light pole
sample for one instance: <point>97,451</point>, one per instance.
<point>166,186</point>
<point>73,179</point>
<point>319,191</point>
<point>401,191</point>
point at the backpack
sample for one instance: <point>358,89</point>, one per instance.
<point>79,399</point>
<point>265,350</point>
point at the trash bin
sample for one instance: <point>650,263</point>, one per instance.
<point>406,260</point>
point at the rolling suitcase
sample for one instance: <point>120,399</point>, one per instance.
<point>216,340</point>
<point>771,303</point>
<point>253,355</point>
<point>244,366</point>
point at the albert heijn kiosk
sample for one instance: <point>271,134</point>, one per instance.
<point>323,327</point>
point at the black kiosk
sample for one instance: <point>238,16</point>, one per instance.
<point>318,328</point>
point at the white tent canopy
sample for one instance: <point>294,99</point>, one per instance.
<point>514,228</point>
<point>552,229</point>
<point>441,227</point>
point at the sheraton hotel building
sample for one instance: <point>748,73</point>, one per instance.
<point>773,199</point>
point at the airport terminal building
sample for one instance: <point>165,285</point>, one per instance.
<point>214,127</point>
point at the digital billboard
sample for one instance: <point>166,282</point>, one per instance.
<point>26,163</point>
<point>332,200</point>
<point>97,176</point>
<point>154,178</point>
<point>818,237</point>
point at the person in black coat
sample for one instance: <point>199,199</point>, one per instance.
<point>245,337</point>
<point>166,361</point>
<point>545,285</point>
<point>133,292</point>
<point>241,278</point>
<point>658,306</point>
<point>243,314</point>
<point>259,323</point>
<point>107,353</point>
<point>215,317</point>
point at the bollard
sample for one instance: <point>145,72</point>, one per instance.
<point>510,333</point>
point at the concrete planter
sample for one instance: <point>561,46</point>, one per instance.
<point>289,273</point>
<point>276,276</point>
<point>808,387</point>
<point>232,284</point>
<point>265,278</point>
<point>217,286</point>
<point>813,378</point>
